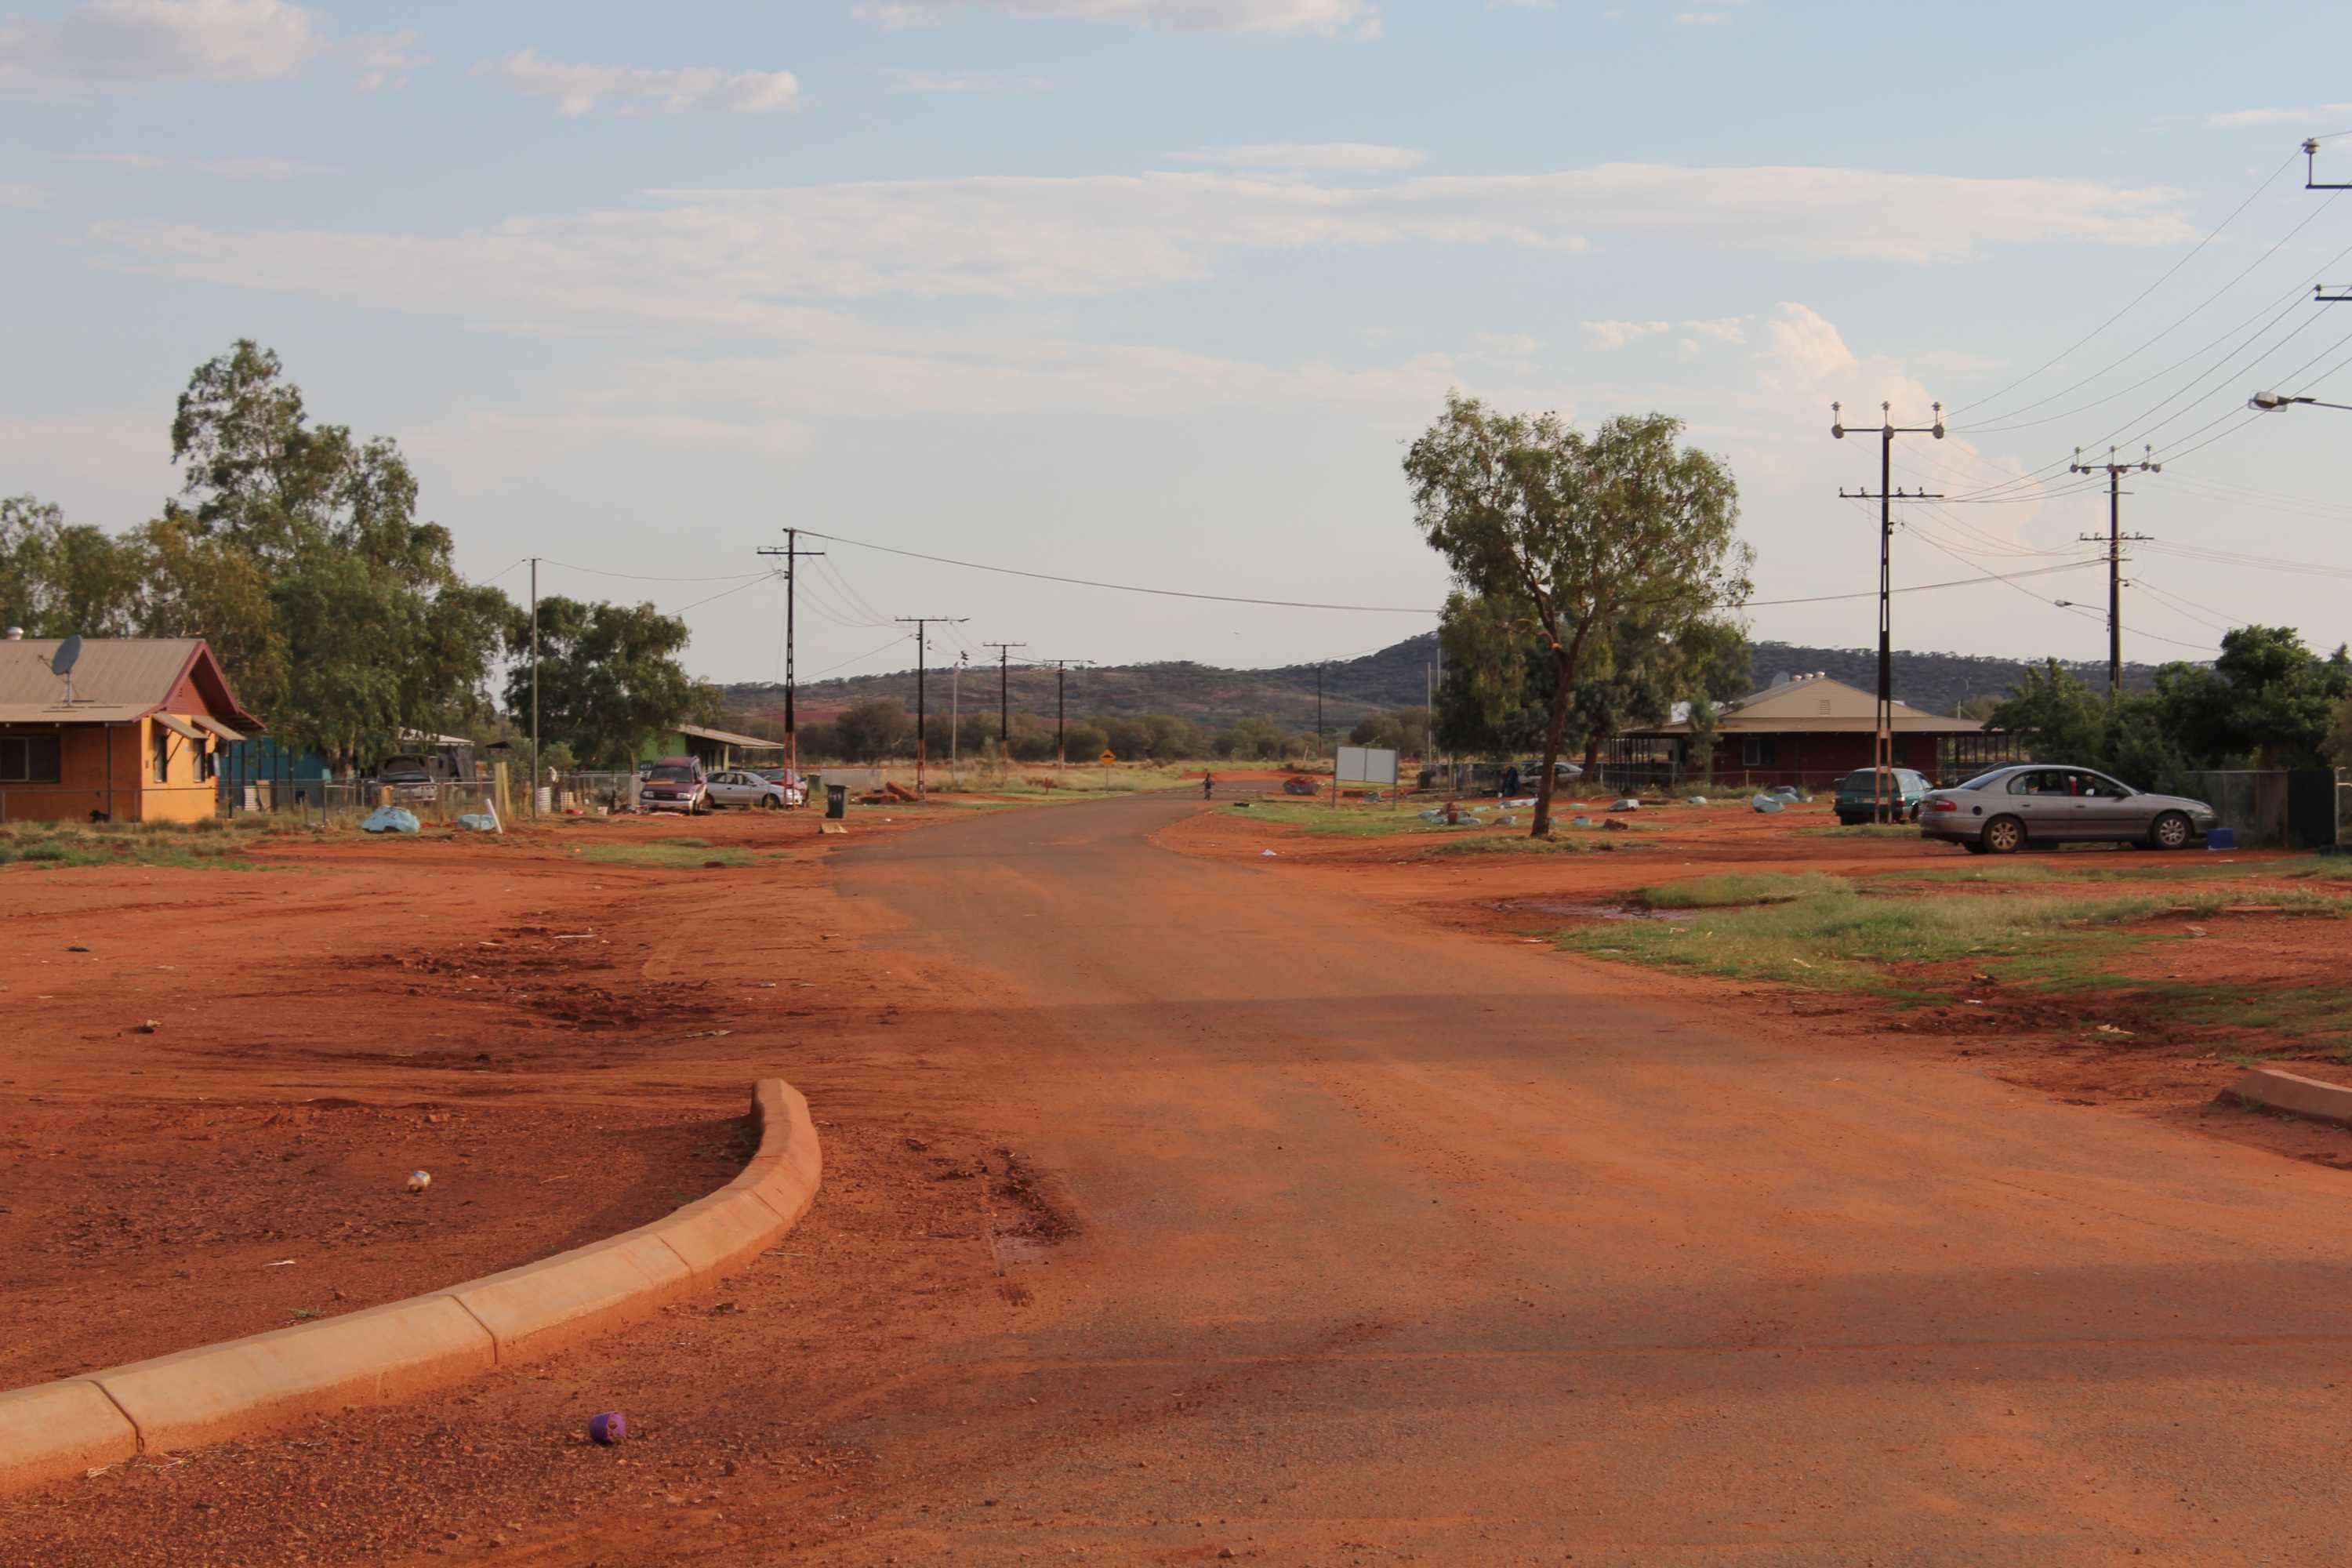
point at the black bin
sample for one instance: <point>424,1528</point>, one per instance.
<point>836,801</point>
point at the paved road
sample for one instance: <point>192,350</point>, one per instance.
<point>1391,1243</point>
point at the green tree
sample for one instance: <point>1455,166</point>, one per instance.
<point>874,730</point>
<point>60,579</point>
<point>2053,716</point>
<point>1567,533</point>
<point>609,679</point>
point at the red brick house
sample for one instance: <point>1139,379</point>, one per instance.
<point>1808,731</point>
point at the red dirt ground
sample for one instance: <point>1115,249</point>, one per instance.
<point>872,1389</point>
<point>2160,1066</point>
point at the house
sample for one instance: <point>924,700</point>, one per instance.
<point>715,749</point>
<point>134,736</point>
<point>1811,731</point>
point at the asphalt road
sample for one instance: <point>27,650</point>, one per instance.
<point>1393,1245</point>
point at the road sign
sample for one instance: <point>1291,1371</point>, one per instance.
<point>1108,757</point>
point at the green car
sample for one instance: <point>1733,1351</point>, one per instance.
<point>1857,795</point>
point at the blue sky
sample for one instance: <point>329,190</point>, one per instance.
<point>1153,290</point>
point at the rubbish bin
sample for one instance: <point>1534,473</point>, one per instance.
<point>836,801</point>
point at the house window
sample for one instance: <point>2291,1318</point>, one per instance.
<point>163,753</point>
<point>30,759</point>
<point>1757,752</point>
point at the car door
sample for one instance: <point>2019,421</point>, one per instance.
<point>2037,797</point>
<point>725,790</point>
<point>2109,809</point>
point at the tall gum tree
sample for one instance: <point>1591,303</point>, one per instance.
<point>1573,532</point>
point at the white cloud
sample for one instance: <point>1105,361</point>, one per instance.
<point>1722,329</point>
<point>2237,117</point>
<point>1347,157</point>
<point>123,44</point>
<point>1323,17</point>
<point>969,82</point>
<point>23,196</point>
<point>767,259</point>
<point>579,88</point>
<point>384,59</point>
<point>218,168</point>
<point>1617,334</point>
<point>1505,345</point>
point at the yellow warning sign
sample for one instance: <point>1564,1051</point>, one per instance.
<point>1108,758</point>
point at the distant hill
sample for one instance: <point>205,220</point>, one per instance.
<point>1395,676</point>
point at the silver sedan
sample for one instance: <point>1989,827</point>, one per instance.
<point>2003,811</point>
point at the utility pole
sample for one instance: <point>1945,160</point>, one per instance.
<point>922,624</point>
<point>1318,734</point>
<point>1884,798</point>
<point>955,720</point>
<point>794,554</point>
<point>1061,704</point>
<point>534,686</point>
<point>2115,543</point>
<point>1003,702</point>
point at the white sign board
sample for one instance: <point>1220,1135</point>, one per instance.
<point>1368,766</point>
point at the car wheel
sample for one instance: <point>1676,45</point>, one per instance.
<point>2170,831</point>
<point>1914,814</point>
<point>2003,836</point>
<point>767,803</point>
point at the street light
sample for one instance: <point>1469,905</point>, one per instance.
<point>2275,402</point>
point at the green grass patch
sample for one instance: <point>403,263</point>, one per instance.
<point>1733,888</point>
<point>1516,841</point>
<point>184,846</point>
<point>1353,821</point>
<point>1850,940</point>
<point>672,853</point>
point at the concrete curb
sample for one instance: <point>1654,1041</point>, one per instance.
<point>2268,1088</point>
<point>245,1387</point>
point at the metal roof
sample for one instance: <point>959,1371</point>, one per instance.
<point>79,714</point>
<point>1816,704</point>
<point>111,670</point>
<point>729,738</point>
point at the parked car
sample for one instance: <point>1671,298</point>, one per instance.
<point>1857,795</point>
<point>1563,771</point>
<point>674,784</point>
<point>2002,812</point>
<point>794,783</point>
<point>741,786</point>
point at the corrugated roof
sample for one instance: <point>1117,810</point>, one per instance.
<point>1815,704</point>
<point>111,670</point>
<point>729,738</point>
<point>79,714</point>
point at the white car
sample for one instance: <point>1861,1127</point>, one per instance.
<point>736,786</point>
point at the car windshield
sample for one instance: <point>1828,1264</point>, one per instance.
<point>672,774</point>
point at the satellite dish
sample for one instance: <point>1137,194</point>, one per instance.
<point>62,662</point>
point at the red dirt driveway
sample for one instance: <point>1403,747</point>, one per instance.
<point>1388,1244</point>
<point>1178,1212</point>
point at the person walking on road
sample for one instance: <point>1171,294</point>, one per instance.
<point>1208,785</point>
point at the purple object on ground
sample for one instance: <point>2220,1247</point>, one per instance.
<point>608,1428</point>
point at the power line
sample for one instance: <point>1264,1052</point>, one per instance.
<point>644,577</point>
<point>2143,293</point>
<point>2293,296</point>
<point>896,638</point>
<point>1125,587</point>
<point>726,593</point>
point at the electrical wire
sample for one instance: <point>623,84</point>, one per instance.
<point>644,577</point>
<point>1122,587</point>
<point>2265,185</point>
<point>861,658</point>
<point>2291,297</point>
<point>724,592</point>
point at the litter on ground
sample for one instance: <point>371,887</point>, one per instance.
<point>391,819</point>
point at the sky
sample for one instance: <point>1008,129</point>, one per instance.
<point>1156,292</point>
